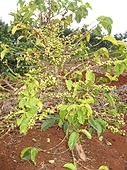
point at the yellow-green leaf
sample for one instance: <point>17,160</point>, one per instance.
<point>88,37</point>
<point>14,29</point>
<point>70,166</point>
<point>40,105</point>
<point>85,132</point>
<point>89,109</point>
<point>119,68</point>
<point>90,77</point>
<point>103,168</point>
<point>69,84</point>
<point>20,37</point>
<point>3,53</point>
<point>111,39</point>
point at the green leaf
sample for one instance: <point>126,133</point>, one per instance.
<point>54,6</point>
<point>113,112</point>
<point>62,114</point>
<point>119,68</point>
<point>110,99</point>
<point>21,2</point>
<point>48,123</point>
<point>111,78</point>
<point>76,86</point>
<point>89,110</point>
<point>102,123</point>
<point>63,107</point>
<point>33,101</point>
<point>78,74</point>
<point>125,62</point>
<point>72,140</point>
<point>111,39</point>
<point>92,122</point>
<point>38,2</point>
<point>65,126</point>
<point>69,84</point>
<point>90,77</point>
<point>29,153</point>
<point>24,126</point>
<point>39,42</point>
<point>99,125</point>
<point>70,118</point>
<point>26,93</point>
<point>103,52</point>
<point>81,117</point>
<point>70,99</point>
<point>19,120</point>
<point>72,107</point>
<point>99,128</point>
<point>85,132</point>
<point>78,17</point>
<point>26,153</point>
<point>106,23</point>
<point>69,19</point>
<point>121,43</point>
<point>70,166</point>
<point>23,102</point>
<point>88,5</point>
<point>97,30</point>
<point>82,10</point>
<point>71,6</point>
<point>40,105</point>
<point>75,121</point>
<point>33,110</point>
<point>34,152</point>
<point>88,101</point>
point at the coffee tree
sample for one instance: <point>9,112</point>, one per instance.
<point>60,86</point>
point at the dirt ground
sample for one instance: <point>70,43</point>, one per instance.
<point>111,151</point>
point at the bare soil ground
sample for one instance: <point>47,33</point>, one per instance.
<point>111,151</point>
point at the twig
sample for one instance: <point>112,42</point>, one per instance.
<point>83,166</point>
<point>9,85</point>
<point>60,152</point>
<point>48,150</point>
<point>74,159</point>
<point>70,72</point>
